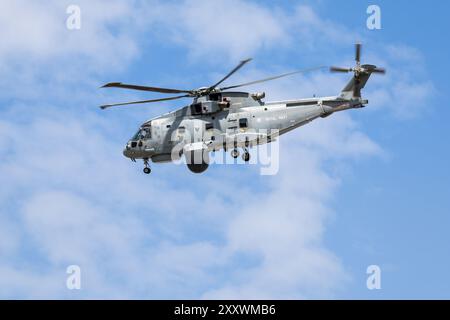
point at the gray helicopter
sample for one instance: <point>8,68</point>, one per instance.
<point>231,120</point>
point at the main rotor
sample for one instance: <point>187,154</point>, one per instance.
<point>359,71</point>
<point>194,93</point>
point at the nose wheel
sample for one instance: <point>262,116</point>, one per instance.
<point>147,169</point>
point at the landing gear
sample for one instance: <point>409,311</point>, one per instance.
<point>246,155</point>
<point>147,169</point>
<point>235,153</point>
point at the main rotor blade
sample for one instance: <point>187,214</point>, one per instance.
<point>144,88</point>
<point>142,101</point>
<point>358,52</point>
<point>339,69</point>
<point>271,78</point>
<point>240,65</point>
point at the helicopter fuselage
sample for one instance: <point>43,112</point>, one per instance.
<point>228,121</point>
<point>221,119</point>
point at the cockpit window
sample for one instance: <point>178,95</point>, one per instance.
<point>143,134</point>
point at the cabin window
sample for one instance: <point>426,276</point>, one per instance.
<point>209,126</point>
<point>243,123</point>
<point>181,129</point>
<point>168,126</point>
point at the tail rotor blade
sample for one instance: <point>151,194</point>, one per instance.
<point>379,70</point>
<point>339,69</point>
<point>358,52</point>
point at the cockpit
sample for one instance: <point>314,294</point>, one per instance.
<point>143,133</point>
<point>140,145</point>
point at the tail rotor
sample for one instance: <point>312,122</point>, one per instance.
<point>361,74</point>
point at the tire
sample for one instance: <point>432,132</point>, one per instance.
<point>235,153</point>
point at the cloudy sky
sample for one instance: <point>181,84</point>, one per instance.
<point>365,187</point>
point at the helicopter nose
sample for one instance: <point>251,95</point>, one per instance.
<point>127,152</point>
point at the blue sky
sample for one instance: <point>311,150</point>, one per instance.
<point>364,187</point>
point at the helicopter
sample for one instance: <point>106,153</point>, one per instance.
<point>222,118</point>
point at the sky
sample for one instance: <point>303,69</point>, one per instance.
<point>363,187</point>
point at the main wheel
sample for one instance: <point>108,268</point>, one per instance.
<point>235,153</point>
<point>147,170</point>
<point>246,156</point>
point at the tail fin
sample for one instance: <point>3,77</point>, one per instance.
<point>353,88</point>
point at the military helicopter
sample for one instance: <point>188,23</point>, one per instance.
<point>222,119</point>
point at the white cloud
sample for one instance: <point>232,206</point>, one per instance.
<point>9,237</point>
<point>406,91</point>
<point>404,100</point>
<point>233,29</point>
<point>340,138</point>
<point>37,32</point>
<point>39,54</point>
<point>237,29</point>
<point>284,228</point>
